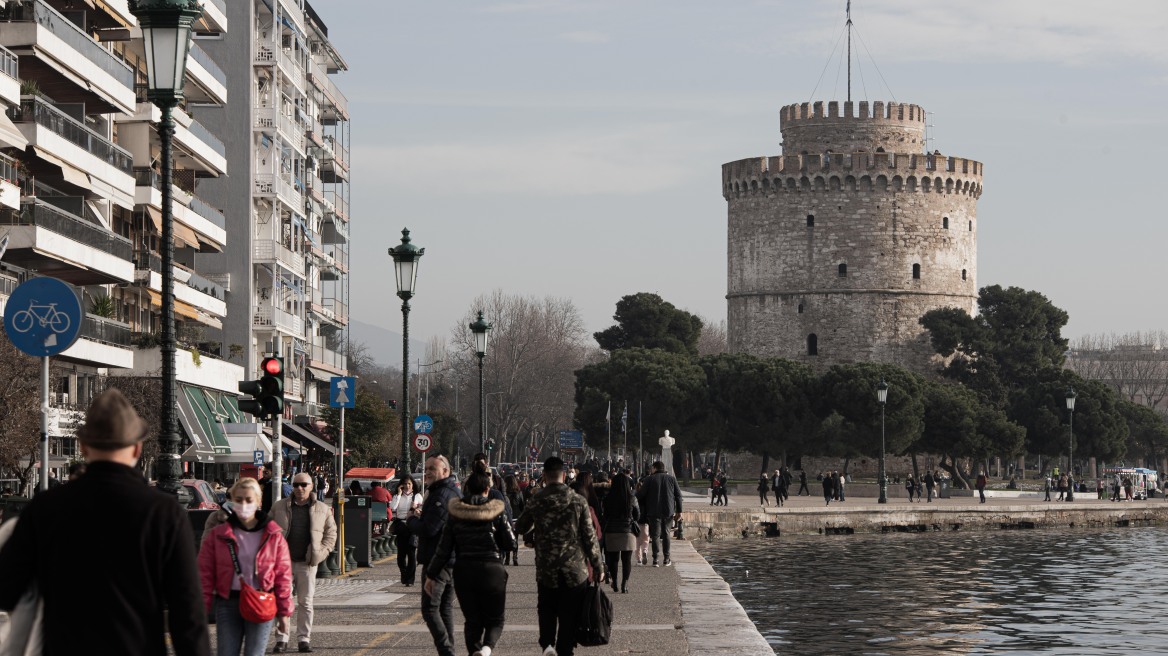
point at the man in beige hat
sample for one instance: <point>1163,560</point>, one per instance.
<point>133,544</point>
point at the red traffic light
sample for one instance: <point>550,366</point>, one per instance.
<point>272,366</point>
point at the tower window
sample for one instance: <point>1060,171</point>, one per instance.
<point>971,226</point>
<point>810,220</point>
<point>916,272</point>
<point>945,223</point>
<point>812,344</point>
<point>963,274</point>
<point>800,308</point>
<point>843,270</point>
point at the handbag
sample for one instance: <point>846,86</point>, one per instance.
<point>256,606</point>
<point>595,618</point>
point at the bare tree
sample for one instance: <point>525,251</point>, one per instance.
<point>712,341</point>
<point>145,394</point>
<point>1134,364</point>
<point>535,347</point>
<point>19,412</point>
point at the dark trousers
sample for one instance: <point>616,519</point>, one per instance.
<point>625,558</point>
<point>481,586</point>
<point>438,612</point>
<point>659,531</point>
<point>803,488</point>
<point>407,555</point>
<point>559,607</point>
<point>779,497</point>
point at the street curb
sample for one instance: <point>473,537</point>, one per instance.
<point>714,622</point>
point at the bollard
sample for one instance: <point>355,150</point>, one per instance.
<point>322,570</point>
<point>334,563</point>
<point>350,561</point>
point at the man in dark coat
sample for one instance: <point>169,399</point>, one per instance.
<point>438,604</point>
<point>660,501</point>
<point>134,545</point>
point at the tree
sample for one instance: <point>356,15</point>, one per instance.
<point>19,412</point>
<point>1147,432</point>
<point>145,394</point>
<point>372,432</point>
<point>958,425</point>
<point>645,320</point>
<point>1100,428</point>
<point>670,386</point>
<point>1135,365</point>
<point>850,392</point>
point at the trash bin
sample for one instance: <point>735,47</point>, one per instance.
<point>359,528</point>
<point>943,489</point>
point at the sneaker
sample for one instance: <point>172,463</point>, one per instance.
<point>655,563</point>
<point>668,563</point>
<point>549,651</point>
<point>280,648</point>
<point>305,648</point>
<point>485,651</point>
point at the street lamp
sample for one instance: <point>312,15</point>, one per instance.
<point>882,398</point>
<point>1071,444</point>
<point>480,328</point>
<point>405,266</point>
<point>166,34</point>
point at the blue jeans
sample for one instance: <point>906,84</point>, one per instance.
<point>233,632</point>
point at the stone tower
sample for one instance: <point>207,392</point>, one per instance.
<point>837,247</point>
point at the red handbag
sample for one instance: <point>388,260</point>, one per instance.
<point>256,606</point>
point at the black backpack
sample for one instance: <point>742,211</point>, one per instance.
<point>595,618</point>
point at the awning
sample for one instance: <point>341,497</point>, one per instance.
<point>303,435</point>
<point>184,234</point>
<point>155,217</point>
<point>199,415</point>
<point>72,175</point>
<point>243,448</point>
<point>9,134</point>
<point>320,374</point>
<point>182,308</point>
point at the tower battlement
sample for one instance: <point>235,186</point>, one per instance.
<point>882,126</point>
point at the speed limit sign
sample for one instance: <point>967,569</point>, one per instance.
<point>422,442</point>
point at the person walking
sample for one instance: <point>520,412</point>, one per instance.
<point>841,481</point>
<point>723,499</point>
<point>248,547</point>
<point>981,485</point>
<point>763,488</point>
<point>311,533</point>
<point>909,487</point>
<point>779,485</point>
<point>437,597</point>
<point>660,500</point>
<point>828,488</point>
<point>112,558</point>
<point>930,484</point>
<point>621,530</point>
<point>514,495</point>
<point>565,549</point>
<point>406,504</point>
<point>1047,487</point>
<point>477,530</point>
<point>803,483</point>
<point>1062,487</point>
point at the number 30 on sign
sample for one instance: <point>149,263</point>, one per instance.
<point>422,442</point>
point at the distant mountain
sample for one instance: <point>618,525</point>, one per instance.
<point>384,345</point>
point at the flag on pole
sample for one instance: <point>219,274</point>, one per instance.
<point>625,418</point>
<point>608,413</point>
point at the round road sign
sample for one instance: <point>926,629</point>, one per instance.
<point>422,442</point>
<point>534,451</point>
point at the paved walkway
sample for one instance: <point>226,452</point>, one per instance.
<point>671,611</point>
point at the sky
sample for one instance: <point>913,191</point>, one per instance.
<point>574,148</point>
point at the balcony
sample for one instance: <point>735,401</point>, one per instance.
<point>67,64</point>
<point>214,18</point>
<point>189,210</point>
<point>203,150</point>
<point>86,158</point>
<point>205,301</point>
<point>63,245</point>
<point>7,284</point>
<point>207,76</point>
<point>9,77</point>
<point>9,183</point>
<point>268,53</point>
<point>336,105</point>
<point>102,342</point>
<point>327,359</point>
<point>340,310</point>
<point>270,184</point>
<point>272,251</point>
<point>270,119</point>
<point>266,316</point>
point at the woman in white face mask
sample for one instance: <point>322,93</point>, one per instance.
<point>246,550</point>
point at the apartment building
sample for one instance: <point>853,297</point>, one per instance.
<point>287,265</point>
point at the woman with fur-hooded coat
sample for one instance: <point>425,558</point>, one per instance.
<point>476,533</point>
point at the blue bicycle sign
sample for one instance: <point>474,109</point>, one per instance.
<point>45,314</point>
<point>43,317</point>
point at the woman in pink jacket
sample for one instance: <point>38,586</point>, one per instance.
<point>265,565</point>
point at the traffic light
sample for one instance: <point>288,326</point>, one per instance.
<point>267,393</point>
<point>490,445</point>
<point>393,404</point>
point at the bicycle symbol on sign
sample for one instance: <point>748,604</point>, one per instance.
<point>47,314</point>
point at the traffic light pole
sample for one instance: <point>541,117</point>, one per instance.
<point>277,457</point>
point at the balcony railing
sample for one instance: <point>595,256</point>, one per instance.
<point>267,183</point>
<point>74,227</point>
<point>209,288</point>
<point>47,116</point>
<point>200,207</point>
<point>341,310</point>
<point>266,315</point>
<point>149,261</point>
<point>320,76</point>
<point>7,285</point>
<point>220,4</point>
<point>206,137</point>
<point>40,12</point>
<point>270,118</point>
<point>8,170</point>
<point>201,56</point>
<point>105,331</point>
<point>9,64</point>
<point>270,250</point>
<point>328,357</point>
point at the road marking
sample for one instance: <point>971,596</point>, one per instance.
<point>406,623</point>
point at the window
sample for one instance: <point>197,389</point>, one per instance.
<point>963,274</point>
<point>971,226</point>
<point>810,220</point>
<point>800,308</point>
<point>916,272</point>
<point>843,270</point>
<point>812,344</point>
<point>945,223</point>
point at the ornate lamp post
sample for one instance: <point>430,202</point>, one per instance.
<point>882,398</point>
<point>1071,444</point>
<point>166,32</point>
<point>480,328</point>
<point>405,266</point>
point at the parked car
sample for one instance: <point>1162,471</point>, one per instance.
<point>203,496</point>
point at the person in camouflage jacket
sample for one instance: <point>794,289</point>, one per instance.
<point>565,547</point>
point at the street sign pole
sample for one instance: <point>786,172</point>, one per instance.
<point>44,423</point>
<point>341,493</point>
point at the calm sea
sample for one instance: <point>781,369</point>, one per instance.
<point>1037,592</point>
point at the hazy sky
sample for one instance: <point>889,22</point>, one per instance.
<point>574,148</point>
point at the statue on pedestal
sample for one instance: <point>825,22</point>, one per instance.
<point>667,443</point>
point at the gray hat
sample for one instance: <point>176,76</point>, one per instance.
<point>111,423</point>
